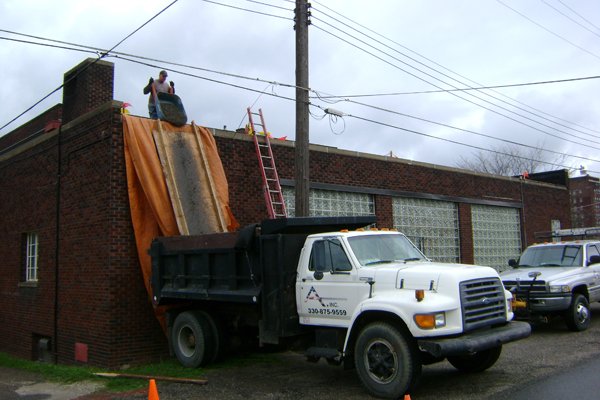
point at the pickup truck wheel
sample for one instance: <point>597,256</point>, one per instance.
<point>192,339</point>
<point>476,362</point>
<point>578,315</point>
<point>386,362</point>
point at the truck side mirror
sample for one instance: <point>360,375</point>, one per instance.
<point>512,263</point>
<point>594,260</point>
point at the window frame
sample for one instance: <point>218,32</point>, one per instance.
<point>31,257</point>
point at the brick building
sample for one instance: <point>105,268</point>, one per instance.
<point>70,275</point>
<point>585,201</point>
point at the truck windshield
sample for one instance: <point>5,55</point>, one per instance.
<point>378,249</point>
<point>552,256</point>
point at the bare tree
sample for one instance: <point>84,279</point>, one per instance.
<point>511,160</point>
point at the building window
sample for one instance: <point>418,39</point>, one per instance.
<point>330,203</point>
<point>431,225</point>
<point>31,257</point>
<point>496,235</point>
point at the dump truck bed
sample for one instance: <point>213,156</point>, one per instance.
<point>256,265</point>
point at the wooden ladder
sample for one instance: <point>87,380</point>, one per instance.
<point>266,162</point>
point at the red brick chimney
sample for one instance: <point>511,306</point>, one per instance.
<point>87,86</point>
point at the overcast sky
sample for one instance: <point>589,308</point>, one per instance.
<point>485,41</point>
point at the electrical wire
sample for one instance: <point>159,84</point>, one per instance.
<point>446,83</point>
<point>583,78</point>
<point>87,66</point>
<point>318,95</point>
<point>356,23</point>
<point>549,31</point>
<point>459,143</point>
<point>470,101</point>
<point>247,9</point>
<point>511,142</point>
<point>579,15</point>
<point>116,53</point>
<point>269,5</point>
<point>570,18</point>
<point>291,99</point>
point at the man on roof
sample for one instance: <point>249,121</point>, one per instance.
<point>157,86</point>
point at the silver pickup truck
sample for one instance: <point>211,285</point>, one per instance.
<point>556,279</point>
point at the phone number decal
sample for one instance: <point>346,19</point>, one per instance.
<point>326,311</point>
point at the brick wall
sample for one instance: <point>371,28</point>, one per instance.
<point>542,202</point>
<point>35,126</point>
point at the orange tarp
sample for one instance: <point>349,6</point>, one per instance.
<point>152,211</point>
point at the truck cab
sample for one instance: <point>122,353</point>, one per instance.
<point>378,290</point>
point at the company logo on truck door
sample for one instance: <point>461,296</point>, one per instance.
<point>330,305</point>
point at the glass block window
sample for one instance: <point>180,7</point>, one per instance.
<point>431,225</point>
<point>31,257</point>
<point>496,235</point>
<point>330,203</point>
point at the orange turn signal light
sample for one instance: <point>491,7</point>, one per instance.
<point>426,321</point>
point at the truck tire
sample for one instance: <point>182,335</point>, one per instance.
<point>386,361</point>
<point>578,315</point>
<point>476,362</point>
<point>192,339</point>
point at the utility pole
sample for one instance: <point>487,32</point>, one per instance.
<point>301,171</point>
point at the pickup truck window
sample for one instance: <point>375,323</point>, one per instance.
<point>592,250</point>
<point>552,256</point>
<point>328,255</point>
<point>379,249</point>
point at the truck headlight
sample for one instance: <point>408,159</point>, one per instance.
<point>430,321</point>
<point>559,288</point>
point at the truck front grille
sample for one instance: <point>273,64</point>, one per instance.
<point>482,302</point>
<point>520,288</point>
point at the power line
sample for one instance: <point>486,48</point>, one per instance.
<point>548,30</point>
<point>474,132</point>
<point>470,101</point>
<point>579,15</point>
<point>272,83</point>
<point>459,143</point>
<point>204,78</point>
<point>290,99</point>
<point>270,5</point>
<point>87,66</point>
<point>446,83</point>
<point>116,53</point>
<point>570,18</point>
<point>248,10</point>
<point>469,88</point>
<point>355,23</point>
<point>318,95</point>
<point>48,45</point>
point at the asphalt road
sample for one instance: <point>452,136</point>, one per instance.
<point>553,363</point>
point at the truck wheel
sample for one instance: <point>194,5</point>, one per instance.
<point>578,315</point>
<point>476,362</point>
<point>386,362</point>
<point>192,339</point>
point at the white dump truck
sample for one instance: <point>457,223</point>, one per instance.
<point>363,298</point>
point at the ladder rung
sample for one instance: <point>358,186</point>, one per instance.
<point>263,145</point>
<point>269,168</point>
<point>265,156</point>
<point>273,191</point>
<point>272,179</point>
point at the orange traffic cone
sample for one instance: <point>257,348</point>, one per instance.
<point>152,392</point>
<point>407,397</point>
